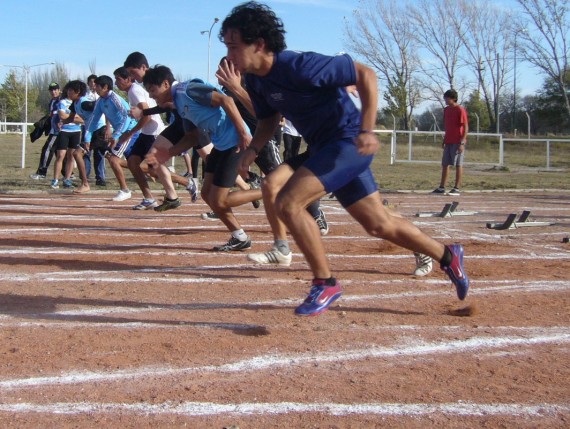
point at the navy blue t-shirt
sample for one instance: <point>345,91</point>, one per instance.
<point>309,90</point>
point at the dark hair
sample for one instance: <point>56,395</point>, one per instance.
<point>136,60</point>
<point>451,93</point>
<point>122,72</point>
<point>104,81</point>
<point>256,21</point>
<point>77,86</point>
<point>91,77</point>
<point>158,74</point>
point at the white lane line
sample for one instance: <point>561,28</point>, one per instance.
<point>66,251</point>
<point>266,362</point>
<point>196,409</point>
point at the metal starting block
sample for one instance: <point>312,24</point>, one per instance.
<point>512,223</point>
<point>449,210</point>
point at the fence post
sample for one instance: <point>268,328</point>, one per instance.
<point>501,151</point>
<point>548,154</point>
<point>393,148</point>
<point>409,146</point>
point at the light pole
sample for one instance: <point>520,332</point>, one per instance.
<point>209,32</point>
<point>25,126</point>
<point>520,30</point>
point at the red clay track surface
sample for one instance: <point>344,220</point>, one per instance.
<point>115,318</point>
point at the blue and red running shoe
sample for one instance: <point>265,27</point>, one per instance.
<point>456,272</point>
<point>321,296</point>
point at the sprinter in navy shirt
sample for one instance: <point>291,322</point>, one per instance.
<point>310,90</point>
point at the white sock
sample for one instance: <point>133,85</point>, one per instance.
<point>239,234</point>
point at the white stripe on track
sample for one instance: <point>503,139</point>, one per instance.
<point>197,409</point>
<point>266,362</point>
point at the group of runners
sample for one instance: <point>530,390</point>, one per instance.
<point>234,125</point>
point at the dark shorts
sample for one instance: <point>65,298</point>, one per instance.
<point>98,139</point>
<point>223,164</point>
<point>268,158</point>
<point>341,169</point>
<point>141,146</point>
<point>451,156</point>
<point>66,140</point>
<point>173,132</point>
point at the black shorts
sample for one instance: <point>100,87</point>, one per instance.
<point>297,161</point>
<point>142,145</point>
<point>98,139</point>
<point>224,166</point>
<point>173,132</point>
<point>268,158</point>
<point>66,140</point>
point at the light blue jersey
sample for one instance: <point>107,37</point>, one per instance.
<point>63,106</point>
<point>116,110</point>
<point>193,101</point>
<point>84,107</point>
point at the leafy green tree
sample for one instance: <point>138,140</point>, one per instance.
<point>550,112</point>
<point>12,96</point>
<point>476,106</point>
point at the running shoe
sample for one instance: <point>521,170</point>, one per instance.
<point>274,256</point>
<point>192,188</point>
<point>168,205</point>
<point>322,223</point>
<point>37,176</point>
<point>456,272</point>
<point>454,192</point>
<point>424,264</point>
<point>67,183</point>
<point>122,195</point>
<point>439,190</point>
<point>100,182</point>
<point>320,298</point>
<point>54,184</point>
<point>234,244</point>
<point>210,216</point>
<point>145,205</point>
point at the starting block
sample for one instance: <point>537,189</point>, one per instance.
<point>448,210</point>
<point>512,222</point>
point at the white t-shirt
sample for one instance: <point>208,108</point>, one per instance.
<point>288,128</point>
<point>137,94</point>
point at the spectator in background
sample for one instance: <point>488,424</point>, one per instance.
<point>456,126</point>
<point>48,147</point>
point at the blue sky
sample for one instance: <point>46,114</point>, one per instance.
<point>104,32</point>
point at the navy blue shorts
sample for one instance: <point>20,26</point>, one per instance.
<point>223,164</point>
<point>141,146</point>
<point>341,169</point>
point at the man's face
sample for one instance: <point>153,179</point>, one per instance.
<point>239,53</point>
<point>91,84</point>
<point>137,73</point>
<point>72,95</point>
<point>54,93</point>
<point>101,91</point>
<point>160,93</point>
<point>123,83</point>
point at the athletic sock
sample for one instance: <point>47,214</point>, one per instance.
<point>239,234</point>
<point>282,246</point>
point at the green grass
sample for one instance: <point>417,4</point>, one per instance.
<point>524,166</point>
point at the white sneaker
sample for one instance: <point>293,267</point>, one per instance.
<point>424,265</point>
<point>122,195</point>
<point>274,256</point>
<point>37,176</point>
<point>192,188</point>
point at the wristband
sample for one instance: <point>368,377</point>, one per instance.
<point>365,132</point>
<point>253,148</point>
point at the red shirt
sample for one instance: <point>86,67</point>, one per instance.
<point>454,123</point>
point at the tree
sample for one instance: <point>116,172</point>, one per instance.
<point>381,34</point>
<point>441,44</point>
<point>544,31</point>
<point>13,97</point>
<point>476,108</point>
<point>550,113</point>
<point>486,36</point>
